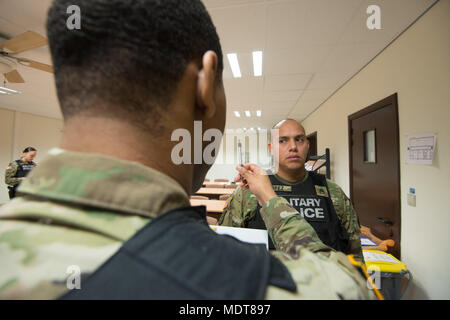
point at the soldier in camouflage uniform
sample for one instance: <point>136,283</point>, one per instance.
<point>17,170</point>
<point>91,199</point>
<point>242,206</point>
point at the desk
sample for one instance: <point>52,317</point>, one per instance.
<point>214,191</point>
<point>215,206</point>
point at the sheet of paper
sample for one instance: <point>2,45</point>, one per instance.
<point>367,242</point>
<point>245,234</point>
<point>375,256</point>
<point>420,148</point>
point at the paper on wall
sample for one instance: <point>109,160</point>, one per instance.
<point>420,148</point>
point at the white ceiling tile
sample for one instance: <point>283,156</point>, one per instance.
<point>304,59</point>
<point>272,96</point>
<point>278,106</point>
<point>329,80</point>
<point>286,82</point>
<point>241,29</point>
<point>244,93</point>
<point>285,22</point>
<point>318,22</point>
<point>25,14</point>
<point>318,95</point>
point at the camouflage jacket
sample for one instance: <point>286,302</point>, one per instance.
<point>78,209</point>
<point>11,170</point>
<point>242,205</point>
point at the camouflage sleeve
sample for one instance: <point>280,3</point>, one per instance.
<point>288,230</point>
<point>10,173</point>
<point>319,271</point>
<point>348,218</point>
<point>241,206</point>
<point>321,276</point>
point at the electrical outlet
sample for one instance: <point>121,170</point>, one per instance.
<point>411,199</point>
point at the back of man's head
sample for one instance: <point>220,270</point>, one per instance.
<point>128,55</point>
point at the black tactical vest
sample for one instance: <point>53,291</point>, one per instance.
<point>312,200</point>
<point>24,168</point>
<point>178,256</point>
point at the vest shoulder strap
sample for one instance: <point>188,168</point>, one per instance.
<point>318,179</point>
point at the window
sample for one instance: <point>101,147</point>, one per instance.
<point>369,147</point>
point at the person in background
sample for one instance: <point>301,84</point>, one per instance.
<point>17,170</point>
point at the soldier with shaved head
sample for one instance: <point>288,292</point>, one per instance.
<point>320,202</point>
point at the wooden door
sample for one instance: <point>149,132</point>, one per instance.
<point>375,169</point>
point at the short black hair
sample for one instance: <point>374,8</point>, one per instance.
<point>28,149</point>
<point>130,54</point>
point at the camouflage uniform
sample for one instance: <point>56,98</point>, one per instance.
<point>78,209</point>
<point>242,205</point>
<point>11,171</point>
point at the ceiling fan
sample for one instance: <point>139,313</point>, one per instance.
<point>9,48</point>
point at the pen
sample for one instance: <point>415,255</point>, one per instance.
<point>241,161</point>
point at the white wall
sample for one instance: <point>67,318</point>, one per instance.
<point>19,130</point>
<point>417,67</point>
<point>254,148</point>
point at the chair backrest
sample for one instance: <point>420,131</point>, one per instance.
<point>221,180</point>
<point>231,186</point>
<point>224,196</point>
<point>199,197</point>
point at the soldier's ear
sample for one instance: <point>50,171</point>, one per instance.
<point>206,81</point>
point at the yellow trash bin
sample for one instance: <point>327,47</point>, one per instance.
<point>391,272</point>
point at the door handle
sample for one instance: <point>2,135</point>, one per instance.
<point>385,221</point>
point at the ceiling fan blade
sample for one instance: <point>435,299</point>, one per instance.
<point>35,64</point>
<point>14,77</point>
<point>26,41</point>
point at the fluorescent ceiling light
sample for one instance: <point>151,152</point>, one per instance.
<point>247,113</point>
<point>257,63</point>
<point>251,129</point>
<point>9,90</point>
<point>237,114</point>
<point>234,64</point>
<point>258,113</point>
<point>4,92</point>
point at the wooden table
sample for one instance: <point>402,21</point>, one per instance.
<point>214,206</point>
<point>214,191</point>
